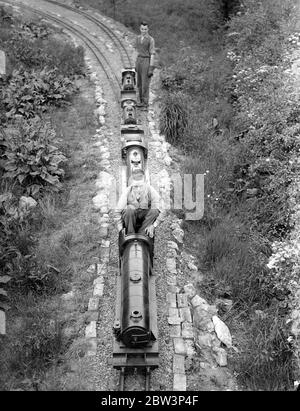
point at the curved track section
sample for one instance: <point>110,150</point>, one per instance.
<point>126,60</point>
<point>86,38</point>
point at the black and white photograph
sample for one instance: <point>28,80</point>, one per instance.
<point>149,199</point>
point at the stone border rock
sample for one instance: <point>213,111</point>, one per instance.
<point>4,279</point>
<point>101,206</point>
<point>210,332</point>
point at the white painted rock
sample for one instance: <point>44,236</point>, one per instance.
<point>156,136</point>
<point>178,234</point>
<point>101,120</point>
<point>99,201</point>
<point>172,244</point>
<point>192,267</point>
<point>90,330</point>
<point>101,100</point>
<point>68,296</point>
<point>155,145</point>
<point>168,160</point>
<point>101,110</point>
<point>172,253</point>
<point>171,265</point>
<point>27,202</point>
<point>2,323</point>
<point>105,180</point>
<point>204,340</point>
<point>104,219</point>
<point>198,301</point>
<point>102,149</point>
<point>165,146</point>
<point>159,154</point>
<point>105,155</point>
<point>222,331</point>
<point>190,290</point>
<point>220,356</point>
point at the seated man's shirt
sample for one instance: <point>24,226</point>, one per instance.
<point>141,197</point>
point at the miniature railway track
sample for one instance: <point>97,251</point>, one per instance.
<point>88,40</point>
<point>142,379</point>
<point>125,57</point>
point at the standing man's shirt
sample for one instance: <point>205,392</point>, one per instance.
<point>145,45</point>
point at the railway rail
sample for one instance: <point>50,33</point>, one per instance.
<point>135,362</point>
<point>126,60</point>
<point>87,39</point>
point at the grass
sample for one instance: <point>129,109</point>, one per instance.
<point>266,361</point>
<point>34,342</point>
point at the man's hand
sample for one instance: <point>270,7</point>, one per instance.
<point>151,71</point>
<point>120,227</point>
<point>150,230</point>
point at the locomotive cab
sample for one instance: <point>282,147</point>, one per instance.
<point>128,79</point>
<point>134,150</point>
<point>129,111</point>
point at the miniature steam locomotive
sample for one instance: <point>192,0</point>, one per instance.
<point>135,326</point>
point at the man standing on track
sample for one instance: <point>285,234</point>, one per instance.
<point>144,65</point>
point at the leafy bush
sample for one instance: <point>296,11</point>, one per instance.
<point>30,160</point>
<point>37,53</point>
<point>29,93</point>
<point>66,58</point>
<point>36,30</point>
<point>173,117</point>
<point>32,45</point>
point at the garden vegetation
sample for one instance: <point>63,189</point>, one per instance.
<point>33,163</point>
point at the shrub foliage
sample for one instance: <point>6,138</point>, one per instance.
<point>30,159</point>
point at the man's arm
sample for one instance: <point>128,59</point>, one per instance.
<point>135,52</point>
<point>156,202</point>
<point>152,51</point>
<point>122,204</point>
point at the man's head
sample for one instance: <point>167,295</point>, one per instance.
<point>137,177</point>
<point>144,28</point>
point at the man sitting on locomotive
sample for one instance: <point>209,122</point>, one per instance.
<point>138,208</point>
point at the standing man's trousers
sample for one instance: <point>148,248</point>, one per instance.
<point>143,81</point>
<point>133,217</point>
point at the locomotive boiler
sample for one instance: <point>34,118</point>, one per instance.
<point>134,326</point>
